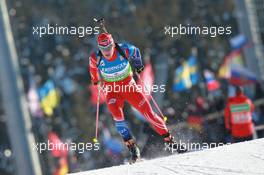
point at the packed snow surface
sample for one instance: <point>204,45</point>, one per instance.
<point>245,158</point>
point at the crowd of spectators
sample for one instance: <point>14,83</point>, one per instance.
<point>64,59</point>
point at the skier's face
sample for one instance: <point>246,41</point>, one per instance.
<point>107,51</point>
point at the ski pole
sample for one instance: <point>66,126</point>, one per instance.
<point>101,23</point>
<point>151,97</point>
<point>97,112</point>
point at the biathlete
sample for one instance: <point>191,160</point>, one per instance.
<point>113,65</point>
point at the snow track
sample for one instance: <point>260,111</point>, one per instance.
<point>245,158</point>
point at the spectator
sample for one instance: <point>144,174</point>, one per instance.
<point>238,116</point>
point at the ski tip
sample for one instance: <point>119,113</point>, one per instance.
<point>95,140</point>
<point>136,161</point>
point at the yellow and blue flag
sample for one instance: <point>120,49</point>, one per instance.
<point>49,98</point>
<point>186,75</point>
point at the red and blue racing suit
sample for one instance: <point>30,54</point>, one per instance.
<point>117,73</point>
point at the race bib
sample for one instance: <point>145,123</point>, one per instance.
<point>240,113</point>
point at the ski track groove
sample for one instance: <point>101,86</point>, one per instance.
<point>222,169</point>
<point>257,157</point>
<point>205,168</point>
<point>174,171</point>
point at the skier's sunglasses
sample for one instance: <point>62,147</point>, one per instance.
<point>106,48</point>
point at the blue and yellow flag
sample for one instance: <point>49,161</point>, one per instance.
<point>49,98</point>
<point>186,75</point>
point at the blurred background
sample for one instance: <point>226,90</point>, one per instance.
<point>46,93</point>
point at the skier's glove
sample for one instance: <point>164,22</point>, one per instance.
<point>98,82</point>
<point>140,69</point>
<point>136,64</point>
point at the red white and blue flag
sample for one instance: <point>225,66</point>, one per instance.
<point>211,82</point>
<point>241,76</point>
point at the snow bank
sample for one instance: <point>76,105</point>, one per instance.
<point>241,158</point>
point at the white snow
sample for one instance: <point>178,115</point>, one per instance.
<point>245,158</point>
